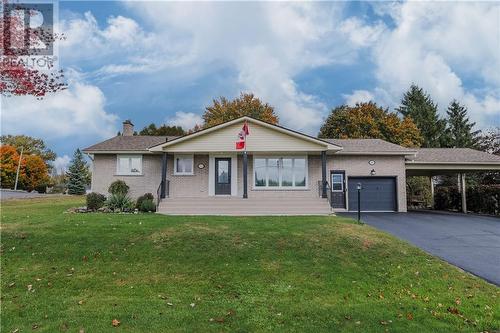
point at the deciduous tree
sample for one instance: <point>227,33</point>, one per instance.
<point>34,172</point>
<point>370,121</point>
<point>9,159</point>
<point>30,146</point>
<point>246,104</point>
<point>17,78</point>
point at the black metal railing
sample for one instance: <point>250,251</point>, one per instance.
<point>328,191</point>
<point>158,195</point>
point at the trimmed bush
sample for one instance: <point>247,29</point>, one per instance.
<point>118,187</point>
<point>483,199</point>
<point>95,201</point>
<point>147,205</point>
<point>121,202</point>
<point>147,196</point>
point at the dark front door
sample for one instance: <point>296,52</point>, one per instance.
<point>223,176</point>
<point>377,193</point>
<point>337,186</point>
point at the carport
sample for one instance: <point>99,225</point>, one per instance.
<point>455,161</point>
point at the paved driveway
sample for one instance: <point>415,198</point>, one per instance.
<point>467,241</point>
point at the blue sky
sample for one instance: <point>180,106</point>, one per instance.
<point>164,62</point>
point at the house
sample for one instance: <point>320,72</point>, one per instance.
<point>280,171</point>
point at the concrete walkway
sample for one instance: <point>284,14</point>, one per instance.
<point>470,242</point>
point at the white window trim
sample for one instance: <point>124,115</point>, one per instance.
<point>119,173</point>
<point>342,182</point>
<point>183,173</point>
<point>280,188</point>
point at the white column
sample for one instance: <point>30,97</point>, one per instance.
<point>464,195</point>
<point>432,191</point>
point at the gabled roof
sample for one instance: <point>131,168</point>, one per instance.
<point>453,155</point>
<point>370,146</point>
<point>326,144</point>
<point>136,143</point>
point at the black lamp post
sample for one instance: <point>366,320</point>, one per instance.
<point>359,201</point>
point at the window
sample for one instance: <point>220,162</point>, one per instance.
<point>183,165</point>
<point>337,182</point>
<point>282,172</point>
<point>129,165</point>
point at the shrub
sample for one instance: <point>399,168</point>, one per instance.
<point>120,201</point>
<point>480,199</point>
<point>95,201</point>
<point>147,196</point>
<point>147,205</point>
<point>118,187</point>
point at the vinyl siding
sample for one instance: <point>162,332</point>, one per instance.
<point>261,139</point>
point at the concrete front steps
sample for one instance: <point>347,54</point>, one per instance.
<point>238,206</point>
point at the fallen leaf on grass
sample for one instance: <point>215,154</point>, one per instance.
<point>453,310</point>
<point>409,316</point>
<point>12,284</point>
<point>81,330</point>
<point>30,287</point>
<point>80,302</point>
<point>458,301</point>
<point>16,330</point>
<point>115,323</point>
<point>34,327</point>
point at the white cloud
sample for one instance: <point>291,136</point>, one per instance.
<point>75,112</point>
<point>61,163</point>
<point>358,96</point>
<point>268,44</point>
<point>435,45</point>
<point>186,120</point>
<point>361,34</point>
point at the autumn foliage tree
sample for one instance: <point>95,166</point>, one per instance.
<point>16,77</point>
<point>32,174</point>
<point>9,159</point>
<point>370,121</point>
<point>223,110</point>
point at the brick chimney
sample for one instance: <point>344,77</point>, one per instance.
<point>128,128</point>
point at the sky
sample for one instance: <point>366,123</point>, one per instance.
<point>163,62</point>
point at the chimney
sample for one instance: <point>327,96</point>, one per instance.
<point>128,128</point>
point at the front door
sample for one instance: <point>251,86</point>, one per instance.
<point>338,188</point>
<point>223,176</point>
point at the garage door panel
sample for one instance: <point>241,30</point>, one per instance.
<point>377,194</point>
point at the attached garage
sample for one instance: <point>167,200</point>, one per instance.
<point>377,193</point>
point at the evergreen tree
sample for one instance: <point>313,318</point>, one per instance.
<point>78,174</point>
<point>419,106</point>
<point>162,130</point>
<point>459,133</point>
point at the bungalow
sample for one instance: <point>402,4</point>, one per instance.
<point>279,171</point>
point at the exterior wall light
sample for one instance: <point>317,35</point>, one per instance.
<point>373,173</point>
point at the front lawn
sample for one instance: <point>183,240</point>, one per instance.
<point>152,273</point>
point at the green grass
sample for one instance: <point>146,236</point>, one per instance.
<point>243,274</point>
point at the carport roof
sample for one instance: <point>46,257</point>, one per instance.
<point>453,155</point>
<point>441,161</point>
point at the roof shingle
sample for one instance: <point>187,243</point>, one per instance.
<point>453,155</point>
<point>128,143</point>
<point>368,146</point>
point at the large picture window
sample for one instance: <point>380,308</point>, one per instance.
<point>280,172</point>
<point>129,165</point>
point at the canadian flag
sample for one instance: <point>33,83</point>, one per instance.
<point>242,136</point>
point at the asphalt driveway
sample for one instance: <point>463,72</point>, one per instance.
<point>470,242</point>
